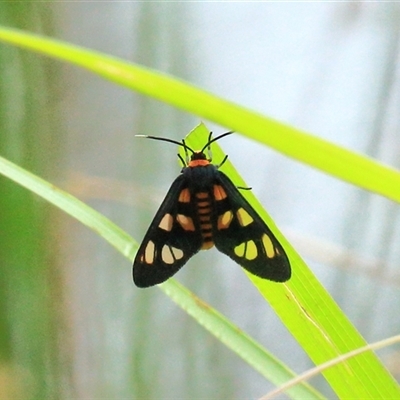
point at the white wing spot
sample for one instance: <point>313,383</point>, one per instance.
<point>149,253</point>
<point>166,222</point>
<point>178,253</point>
<point>170,254</point>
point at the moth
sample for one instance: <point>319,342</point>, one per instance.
<point>204,208</point>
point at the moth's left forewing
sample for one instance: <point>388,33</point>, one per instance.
<point>170,240</point>
<point>243,235</point>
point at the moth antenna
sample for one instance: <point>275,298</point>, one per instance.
<point>215,139</point>
<point>183,144</point>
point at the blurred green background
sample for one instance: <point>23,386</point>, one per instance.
<point>72,324</point>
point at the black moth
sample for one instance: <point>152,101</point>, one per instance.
<point>204,208</point>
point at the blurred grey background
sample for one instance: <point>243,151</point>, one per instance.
<point>76,325</point>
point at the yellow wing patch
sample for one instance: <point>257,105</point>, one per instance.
<point>225,220</point>
<point>246,250</point>
<point>244,217</point>
<point>268,246</point>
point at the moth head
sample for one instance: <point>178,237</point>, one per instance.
<point>196,155</point>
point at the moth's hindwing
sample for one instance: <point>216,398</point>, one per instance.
<point>172,238</point>
<point>240,233</point>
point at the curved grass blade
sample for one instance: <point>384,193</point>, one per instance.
<point>318,153</point>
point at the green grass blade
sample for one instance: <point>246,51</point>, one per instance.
<point>72,206</point>
<point>214,322</point>
<point>310,313</point>
<point>332,159</point>
<point>329,364</point>
<point>255,355</point>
